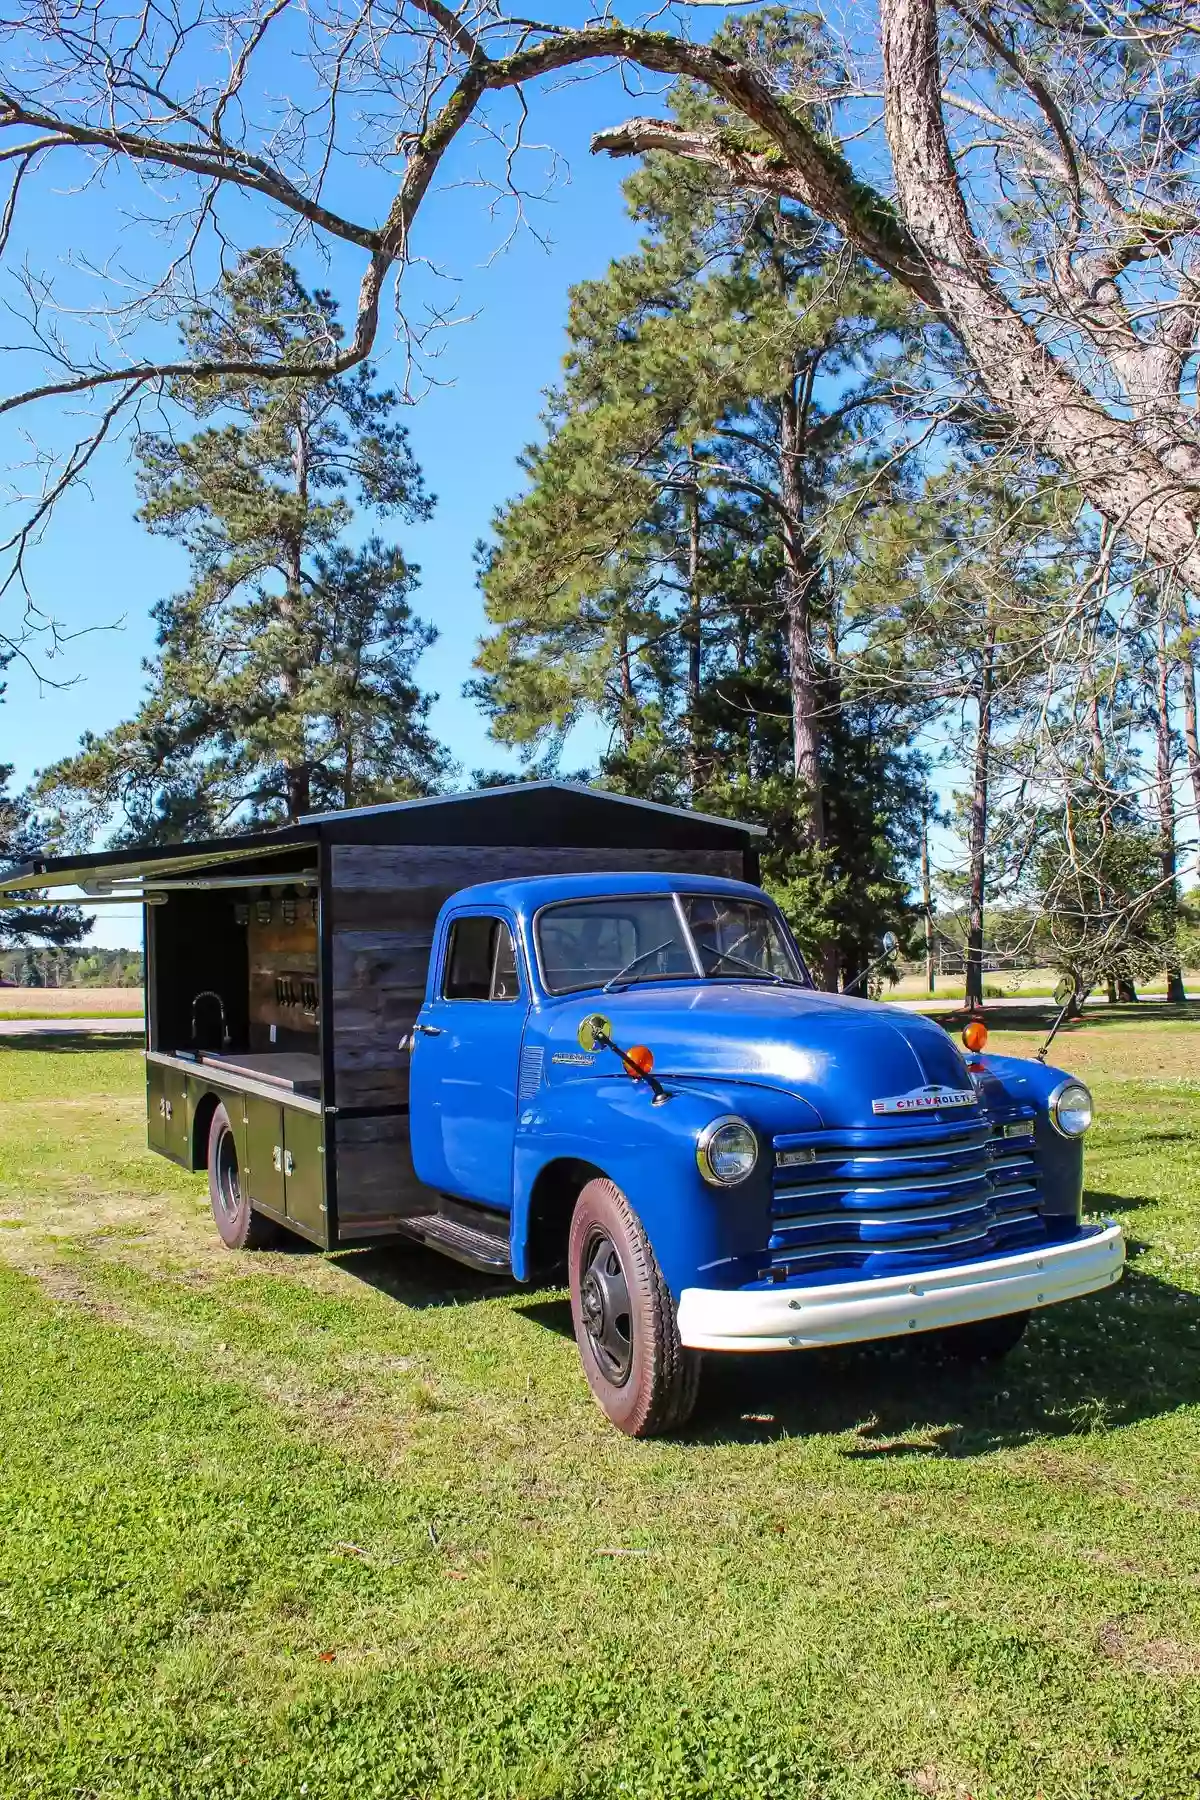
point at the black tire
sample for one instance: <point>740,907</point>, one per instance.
<point>640,1375</point>
<point>983,1340</point>
<point>240,1227</point>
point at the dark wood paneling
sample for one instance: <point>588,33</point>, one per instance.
<point>376,1183</point>
<point>446,868</point>
<point>378,986</point>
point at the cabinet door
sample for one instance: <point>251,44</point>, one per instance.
<point>156,1106</point>
<point>264,1153</point>
<point>167,1112</point>
<point>178,1116</point>
<point>304,1170</point>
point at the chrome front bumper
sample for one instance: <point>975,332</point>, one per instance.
<point>855,1312</point>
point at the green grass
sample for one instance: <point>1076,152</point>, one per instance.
<point>351,1526</point>
<point>84,1012</point>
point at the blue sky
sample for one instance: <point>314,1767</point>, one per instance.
<point>100,572</point>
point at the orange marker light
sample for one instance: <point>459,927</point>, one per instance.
<point>641,1058</point>
<point>975,1034</point>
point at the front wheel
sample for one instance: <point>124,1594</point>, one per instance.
<point>640,1374</point>
<point>983,1340</point>
<point>241,1228</point>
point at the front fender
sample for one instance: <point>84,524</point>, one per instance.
<point>697,1231</point>
<point>1009,1085</point>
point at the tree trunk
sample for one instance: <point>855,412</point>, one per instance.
<point>927,902</point>
<point>977,847</point>
<point>1165,789</point>
<point>799,585</point>
<point>297,775</point>
<point>1099,757</point>
<point>627,712</point>
<point>1139,473</point>
<point>1191,735</point>
<point>694,640</point>
<point>1137,463</point>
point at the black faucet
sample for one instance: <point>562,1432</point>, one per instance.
<point>210,994</point>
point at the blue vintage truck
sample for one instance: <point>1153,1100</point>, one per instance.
<point>752,1164</point>
<point>606,1064</point>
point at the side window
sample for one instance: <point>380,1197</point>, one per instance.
<point>481,961</point>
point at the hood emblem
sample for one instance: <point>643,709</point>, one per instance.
<point>926,1099</point>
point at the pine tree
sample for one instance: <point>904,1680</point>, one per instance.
<point>674,567</point>
<point>284,680</point>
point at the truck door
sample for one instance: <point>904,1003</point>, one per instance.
<point>466,1049</point>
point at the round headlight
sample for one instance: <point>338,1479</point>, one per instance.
<point>726,1151</point>
<point>1071,1109</point>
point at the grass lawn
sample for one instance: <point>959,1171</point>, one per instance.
<point>285,1526</point>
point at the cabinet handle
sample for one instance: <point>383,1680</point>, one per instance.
<point>289,1163</point>
<point>164,1107</point>
<point>277,1159</point>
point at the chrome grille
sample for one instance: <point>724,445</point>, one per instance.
<point>879,1197</point>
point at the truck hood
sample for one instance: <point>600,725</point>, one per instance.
<point>837,1053</point>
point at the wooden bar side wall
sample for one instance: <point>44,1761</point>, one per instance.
<point>384,902</point>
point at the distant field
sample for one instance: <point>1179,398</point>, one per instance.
<point>71,1003</point>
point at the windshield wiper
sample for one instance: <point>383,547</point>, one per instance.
<point>728,956</point>
<point>637,963</point>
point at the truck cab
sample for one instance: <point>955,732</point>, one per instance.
<point>631,1083</point>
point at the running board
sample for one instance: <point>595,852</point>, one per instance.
<point>482,1250</point>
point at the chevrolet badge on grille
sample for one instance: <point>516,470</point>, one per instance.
<point>926,1099</point>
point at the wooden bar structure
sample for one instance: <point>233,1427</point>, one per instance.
<point>285,970</point>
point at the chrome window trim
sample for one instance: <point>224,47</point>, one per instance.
<point>442,998</point>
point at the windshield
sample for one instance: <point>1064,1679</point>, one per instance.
<point>590,943</point>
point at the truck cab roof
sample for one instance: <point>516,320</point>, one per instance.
<point>525,894</point>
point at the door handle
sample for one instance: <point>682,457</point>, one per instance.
<point>429,1030</point>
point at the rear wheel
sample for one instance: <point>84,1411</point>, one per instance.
<point>240,1227</point>
<point>983,1340</point>
<point>640,1374</point>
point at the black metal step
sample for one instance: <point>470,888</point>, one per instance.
<point>467,1244</point>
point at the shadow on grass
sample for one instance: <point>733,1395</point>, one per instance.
<point>70,1043</point>
<point>421,1278</point>
<point>1094,1364</point>
<point>1130,1353</point>
<point>1103,1205</point>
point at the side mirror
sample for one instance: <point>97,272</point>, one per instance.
<point>891,943</point>
<point>591,1028</point>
